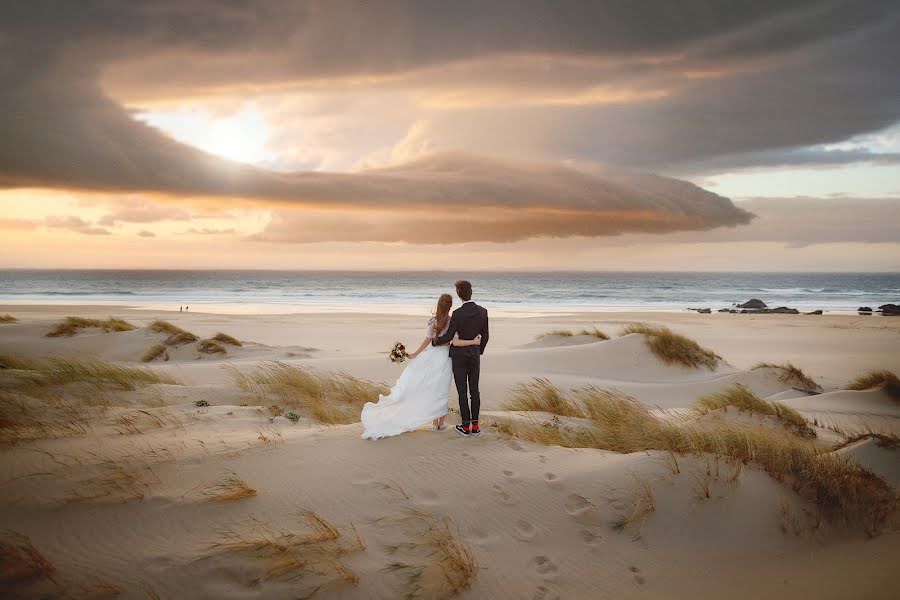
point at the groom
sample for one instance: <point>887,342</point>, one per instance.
<point>469,321</point>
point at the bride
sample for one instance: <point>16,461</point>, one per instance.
<point>420,394</point>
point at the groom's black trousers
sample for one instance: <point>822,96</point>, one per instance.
<point>466,370</point>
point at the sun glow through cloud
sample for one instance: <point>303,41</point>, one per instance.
<point>241,136</point>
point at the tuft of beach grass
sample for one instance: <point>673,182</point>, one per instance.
<point>556,332</point>
<point>211,347</point>
<point>4,319</point>
<point>742,398</point>
<point>878,379</point>
<point>153,352</point>
<point>226,339</point>
<point>540,395</point>
<point>71,325</point>
<point>793,376</point>
<point>594,332</point>
<point>674,348</point>
<point>176,335</point>
<point>331,398</point>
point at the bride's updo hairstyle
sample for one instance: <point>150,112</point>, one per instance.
<point>442,312</point>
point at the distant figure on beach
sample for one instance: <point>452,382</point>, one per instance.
<point>422,390</point>
<point>180,308</point>
<point>187,308</point>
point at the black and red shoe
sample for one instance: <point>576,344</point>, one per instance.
<point>463,430</point>
<point>475,429</point>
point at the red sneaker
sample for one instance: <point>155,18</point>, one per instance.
<point>475,430</point>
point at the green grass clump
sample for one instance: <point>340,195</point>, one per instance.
<point>71,325</point>
<point>884,379</point>
<point>674,348</point>
<point>793,376</point>
<point>742,398</point>
<point>333,398</point>
<point>200,403</point>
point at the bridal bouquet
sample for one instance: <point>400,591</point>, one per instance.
<point>398,353</point>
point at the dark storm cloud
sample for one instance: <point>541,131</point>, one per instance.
<point>796,73</point>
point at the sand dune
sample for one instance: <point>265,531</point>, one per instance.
<point>127,503</point>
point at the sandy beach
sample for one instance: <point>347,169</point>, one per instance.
<point>196,484</point>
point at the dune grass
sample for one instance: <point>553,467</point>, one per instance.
<point>211,347</point>
<point>94,371</point>
<point>793,376</point>
<point>845,492</point>
<point>20,562</point>
<point>450,565</point>
<point>226,339</point>
<point>883,379</point>
<point>153,352</point>
<point>593,331</point>
<point>556,332</point>
<point>331,398</point>
<point>71,325</point>
<point>4,319</point>
<point>316,553</point>
<point>177,335</point>
<point>742,398</point>
<point>674,348</point>
<point>540,395</point>
<point>115,482</point>
<point>229,488</point>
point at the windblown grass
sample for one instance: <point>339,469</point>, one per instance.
<point>211,347</point>
<point>154,352</point>
<point>226,339</point>
<point>450,567</point>
<point>542,396</point>
<point>883,379</point>
<point>674,348</point>
<point>643,504</point>
<point>742,398</point>
<point>313,557</point>
<point>844,491</point>
<point>593,331</point>
<point>21,562</point>
<point>115,482</point>
<point>793,376</point>
<point>18,363</point>
<point>177,335</point>
<point>229,488</point>
<point>71,325</point>
<point>556,332</point>
<point>59,371</point>
<point>8,319</point>
<point>25,418</point>
<point>332,398</point>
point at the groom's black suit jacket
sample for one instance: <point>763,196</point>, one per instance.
<point>469,320</point>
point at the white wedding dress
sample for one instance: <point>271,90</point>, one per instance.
<point>419,395</point>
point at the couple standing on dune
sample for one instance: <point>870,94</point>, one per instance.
<point>452,345</point>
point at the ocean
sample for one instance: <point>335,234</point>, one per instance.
<point>409,292</point>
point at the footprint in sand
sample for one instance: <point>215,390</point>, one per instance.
<point>515,445</point>
<point>542,459</point>
<point>505,496</point>
<point>589,536</point>
<point>543,565</point>
<point>524,530</point>
<point>544,593</point>
<point>581,509</point>
<point>552,480</point>
<point>429,496</point>
<point>638,578</point>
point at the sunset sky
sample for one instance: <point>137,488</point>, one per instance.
<point>519,134</point>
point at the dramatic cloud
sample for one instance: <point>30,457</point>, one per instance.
<point>637,84</point>
<point>76,224</point>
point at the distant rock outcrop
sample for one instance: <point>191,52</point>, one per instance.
<point>815,312</point>
<point>753,303</point>
<point>889,309</point>
<point>864,309</point>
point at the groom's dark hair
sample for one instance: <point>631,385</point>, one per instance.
<point>463,290</point>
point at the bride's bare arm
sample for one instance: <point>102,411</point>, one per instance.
<point>425,343</point>
<point>458,342</point>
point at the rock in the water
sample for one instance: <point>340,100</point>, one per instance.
<point>704,311</point>
<point>783,310</point>
<point>753,303</point>
<point>727,310</point>
<point>815,312</point>
<point>864,309</point>
<point>890,309</point>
